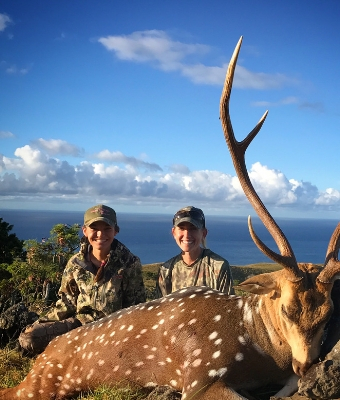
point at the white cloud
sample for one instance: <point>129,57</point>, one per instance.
<point>14,70</point>
<point>328,198</point>
<point>152,46</point>
<point>285,101</point>
<point>57,146</point>
<point>5,20</point>
<point>6,134</point>
<point>161,51</point>
<point>32,172</point>
<point>118,157</point>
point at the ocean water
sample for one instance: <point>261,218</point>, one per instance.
<point>149,235</point>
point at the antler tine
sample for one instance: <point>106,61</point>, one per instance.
<point>332,263</point>
<point>237,150</point>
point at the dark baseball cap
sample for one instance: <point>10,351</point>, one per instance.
<point>190,214</point>
<point>100,212</point>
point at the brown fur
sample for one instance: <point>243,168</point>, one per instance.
<point>197,340</point>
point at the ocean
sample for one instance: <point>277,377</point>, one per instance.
<point>149,235</point>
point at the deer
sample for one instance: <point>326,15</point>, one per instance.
<point>199,341</point>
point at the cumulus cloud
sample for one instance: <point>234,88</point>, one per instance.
<point>328,198</point>
<point>33,172</point>
<point>159,50</point>
<point>5,20</point>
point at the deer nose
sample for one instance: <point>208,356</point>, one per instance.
<point>299,368</point>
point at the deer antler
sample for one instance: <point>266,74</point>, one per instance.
<point>237,150</point>
<point>332,263</point>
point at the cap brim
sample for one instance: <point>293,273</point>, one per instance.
<point>198,224</point>
<point>108,221</point>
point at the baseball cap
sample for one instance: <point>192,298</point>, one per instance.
<point>100,212</point>
<point>190,214</point>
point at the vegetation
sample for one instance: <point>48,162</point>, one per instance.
<point>10,246</point>
<point>41,261</point>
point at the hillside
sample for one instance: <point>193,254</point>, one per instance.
<point>240,273</point>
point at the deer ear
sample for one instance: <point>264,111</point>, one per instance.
<point>259,284</point>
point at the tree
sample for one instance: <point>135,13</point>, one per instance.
<point>56,250</point>
<point>44,260</point>
<point>10,246</point>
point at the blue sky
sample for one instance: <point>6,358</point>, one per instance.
<point>117,102</point>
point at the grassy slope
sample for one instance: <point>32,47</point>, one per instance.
<point>240,273</point>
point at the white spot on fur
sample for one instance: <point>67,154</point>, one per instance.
<point>258,349</point>
<point>192,321</point>
<point>239,357</point>
<point>213,335</point>
<point>139,364</point>
<point>216,354</point>
<point>197,362</point>
<point>247,313</point>
<point>217,318</point>
<point>220,372</point>
<point>197,352</point>
<point>150,384</point>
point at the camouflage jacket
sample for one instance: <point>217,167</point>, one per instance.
<point>208,270</point>
<point>81,297</point>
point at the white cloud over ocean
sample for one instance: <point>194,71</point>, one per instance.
<point>33,173</point>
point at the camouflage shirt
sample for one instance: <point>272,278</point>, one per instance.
<point>208,270</point>
<point>81,297</point>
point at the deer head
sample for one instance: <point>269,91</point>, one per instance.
<point>199,341</point>
<point>303,292</point>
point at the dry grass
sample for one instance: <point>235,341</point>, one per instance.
<point>13,366</point>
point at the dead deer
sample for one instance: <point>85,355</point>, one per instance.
<point>199,341</point>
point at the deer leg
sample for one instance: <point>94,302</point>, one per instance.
<point>216,391</point>
<point>290,387</point>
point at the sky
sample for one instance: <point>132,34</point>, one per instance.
<point>117,102</point>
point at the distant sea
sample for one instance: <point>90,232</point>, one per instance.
<point>149,235</point>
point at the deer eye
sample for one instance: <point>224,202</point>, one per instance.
<point>284,311</point>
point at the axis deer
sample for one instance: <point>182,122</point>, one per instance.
<point>199,341</point>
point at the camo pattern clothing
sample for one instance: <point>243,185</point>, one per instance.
<point>120,286</point>
<point>209,269</point>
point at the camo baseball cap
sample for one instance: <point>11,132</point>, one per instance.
<point>190,214</point>
<point>100,212</point>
